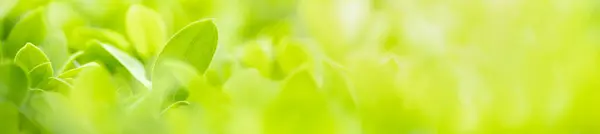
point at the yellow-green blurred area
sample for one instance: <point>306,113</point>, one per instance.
<point>299,66</point>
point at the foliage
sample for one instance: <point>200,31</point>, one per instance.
<point>299,66</point>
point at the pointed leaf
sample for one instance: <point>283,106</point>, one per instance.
<point>196,44</point>
<point>33,60</point>
<point>29,57</point>
<point>135,67</point>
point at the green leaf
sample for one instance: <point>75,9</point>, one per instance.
<point>70,63</point>
<point>258,55</point>
<point>290,56</point>
<point>146,30</point>
<point>58,85</point>
<point>171,79</point>
<point>132,65</point>
<point>10,118</point>
<point>94,87</point>
<point>39,75</point>
<point>299,108</point>
<point>13,83</point>
<point>337,86</point>
<point>33,60</point>
<point>24,6</point>
<point>196,44</point>
<point>30,56</point>
<point>80,37</point>
<point>72,73</point>
<point>55,48</point>
<point>1,50</point>
<point>214,104</point>
<point>32,28</point>
<point>52,112</point>
<point>6,6</point>
<point>248,88</point>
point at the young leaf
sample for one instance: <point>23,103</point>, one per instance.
<point>131,64</point>
<point>70,63</point>
<point>13,83</point>
<point>40,74</point>
<point>146,30</point>
<point>32,28</point>
<point>30,56</point>
<point>33,60</point>
<point>196,44</point>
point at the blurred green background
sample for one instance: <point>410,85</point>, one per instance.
<point>300,66</point>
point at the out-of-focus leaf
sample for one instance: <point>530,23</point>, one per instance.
<point>1,50</point>
<point>97,12</point>
<point>94,84</point>
<point>96,99</point>
<point>178,117</point>
<point>10,118</point>
<point>337,86</point>
<point>33,61</point>
<point>55,47</point>
<point>131,64</point>
<point>258,55</point>
<point>221,68</point>
<point>213,103</point>
<point>146,30</point>
<point>63,17</point>
<point>13,83</point>
<point>51,111</point>
<point>196,44</point>
<point>299,108</point>
<point>249,89</point>
<point>32,28</point>
<point>6,6</point>
<point>290,56</point>
<point>23,6</point>
<point>80,37</point>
